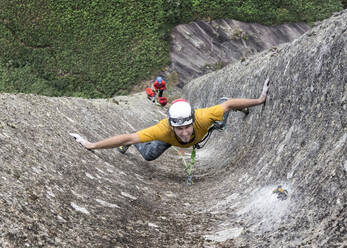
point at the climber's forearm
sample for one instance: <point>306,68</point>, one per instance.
<point>115,141</point>
<point>241,103</point>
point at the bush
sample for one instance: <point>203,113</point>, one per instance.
<point>99,48</point>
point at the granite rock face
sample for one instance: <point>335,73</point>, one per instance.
<point>55,193</point>
<point>202,47</point>
<point>296,140</point>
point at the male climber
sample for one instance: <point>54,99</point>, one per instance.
<point>184,127</point>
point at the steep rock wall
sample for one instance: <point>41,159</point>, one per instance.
<point>297,140</point>
<point>54,193</point>
<point>202,47</point>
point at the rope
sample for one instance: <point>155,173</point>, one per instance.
<point>188,167</point>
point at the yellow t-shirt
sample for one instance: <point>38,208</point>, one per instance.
<point>162,131</point>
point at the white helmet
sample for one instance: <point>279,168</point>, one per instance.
<point>180,113</point>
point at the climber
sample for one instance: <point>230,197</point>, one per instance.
<point>184,127</point>
<point>151,94</point>
<point>159,86</point>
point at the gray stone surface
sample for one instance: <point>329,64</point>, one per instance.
<point>202,47</point>
<point>54,193</point>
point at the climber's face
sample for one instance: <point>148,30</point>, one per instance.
<point>184,132</point>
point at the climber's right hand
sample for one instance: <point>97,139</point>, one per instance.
<point>82,141</point>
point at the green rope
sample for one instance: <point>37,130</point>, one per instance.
<point>188,167</point>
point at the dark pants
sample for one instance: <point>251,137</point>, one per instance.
<point>161,93</point>
<point>152,150</point>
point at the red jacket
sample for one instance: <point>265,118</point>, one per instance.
<point>157,86</point>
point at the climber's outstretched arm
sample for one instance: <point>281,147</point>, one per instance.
<point>114,141</point>
<point>241,103</point>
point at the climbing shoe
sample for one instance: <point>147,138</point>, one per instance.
<point>245,111</point>
<point>189,180</point>
<point>123,149</point>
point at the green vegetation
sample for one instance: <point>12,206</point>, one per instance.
<point>99,48</point>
